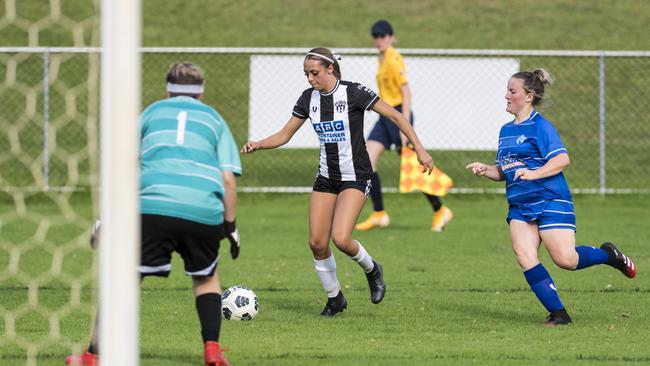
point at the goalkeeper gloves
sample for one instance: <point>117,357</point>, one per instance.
<point>230,229</point>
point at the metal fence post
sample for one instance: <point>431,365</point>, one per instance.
<point>601,120</point>
<point>46,119</point>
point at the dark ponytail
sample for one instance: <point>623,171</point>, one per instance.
<point>326,58</point>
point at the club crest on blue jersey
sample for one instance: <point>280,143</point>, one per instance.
<point>521,139</point>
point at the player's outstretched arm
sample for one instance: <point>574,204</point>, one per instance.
<point>277,139</point>
<point>404,125</point>
<point>492,172</point>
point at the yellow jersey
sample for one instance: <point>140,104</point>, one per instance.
<point>391,76</point>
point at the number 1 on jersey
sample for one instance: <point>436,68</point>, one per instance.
<point>180,130</point>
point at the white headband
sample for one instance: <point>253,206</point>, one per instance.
<point>185,88</point>
<point>323,57</point>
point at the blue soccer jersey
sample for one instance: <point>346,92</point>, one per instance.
<point>185,147</point>
<point>529,145</point>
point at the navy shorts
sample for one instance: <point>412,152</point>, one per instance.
<point>386,132</point>
<point>328,185</point>
<point>549,214</point>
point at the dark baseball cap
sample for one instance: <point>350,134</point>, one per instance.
<point>381,27</point>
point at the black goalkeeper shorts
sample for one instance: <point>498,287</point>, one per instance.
<point>198,245</point>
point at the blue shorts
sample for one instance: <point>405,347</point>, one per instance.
<point>549,214</point>
<point>386,132</point>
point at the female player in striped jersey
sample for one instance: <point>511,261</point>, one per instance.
<point>394,90</point>
<point>336,110</point>
<point>531,158</point>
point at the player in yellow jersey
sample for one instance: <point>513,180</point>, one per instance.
<point>394,90</point>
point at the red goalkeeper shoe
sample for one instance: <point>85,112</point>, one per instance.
<point>86,359</point>
<point>214,354</point>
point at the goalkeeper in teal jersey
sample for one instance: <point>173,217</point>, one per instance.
<point>189,161</point>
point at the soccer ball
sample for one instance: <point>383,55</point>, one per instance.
<point>239,303</point>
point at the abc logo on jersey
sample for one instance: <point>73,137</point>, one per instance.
<point>329,126</point>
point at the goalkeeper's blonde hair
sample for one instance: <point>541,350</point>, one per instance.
<point>185,73</point>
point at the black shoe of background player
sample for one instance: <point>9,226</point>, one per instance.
<point>335,305</point>
<point>558,317</point>
<point>619,260</point>
<point>376,283</point>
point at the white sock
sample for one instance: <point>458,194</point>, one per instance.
<point>364,259</point>
<point>326,271</point>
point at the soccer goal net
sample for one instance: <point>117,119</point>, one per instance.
<point>49,159</point>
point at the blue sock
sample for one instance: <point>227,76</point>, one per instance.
<point>543,287</point>
<point>590,256</point>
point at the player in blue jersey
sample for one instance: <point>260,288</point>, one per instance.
<point>531,158</point>
<point>188,197</point>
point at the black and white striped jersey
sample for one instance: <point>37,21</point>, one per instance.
<point>337,118</point>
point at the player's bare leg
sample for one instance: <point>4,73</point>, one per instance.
<point>348,206</point>
<point>207,291</point>
<point>561,245</point>
<point>206,284</point>
<point>321,212</point>
<point>378,218</point>
<point>525,243</point>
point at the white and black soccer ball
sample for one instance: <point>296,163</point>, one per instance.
<point>239,303</point>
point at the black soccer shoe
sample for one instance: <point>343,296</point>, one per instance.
<point>335,305</point>
<point>376,283</point>
<point>619,260</point>
<point>558,317</point>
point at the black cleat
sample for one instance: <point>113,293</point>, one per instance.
<point>558,317</point>
<point>619,260</point>
<point>335,305</point>
<point>376,283</point>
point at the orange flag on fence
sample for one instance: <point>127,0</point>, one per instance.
<point>411,177</point>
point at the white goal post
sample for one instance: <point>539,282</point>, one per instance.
<point>119,292</point>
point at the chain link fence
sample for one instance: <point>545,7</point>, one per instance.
<point>49,111</point>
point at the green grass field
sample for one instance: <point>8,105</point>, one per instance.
<point>455,298</point>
